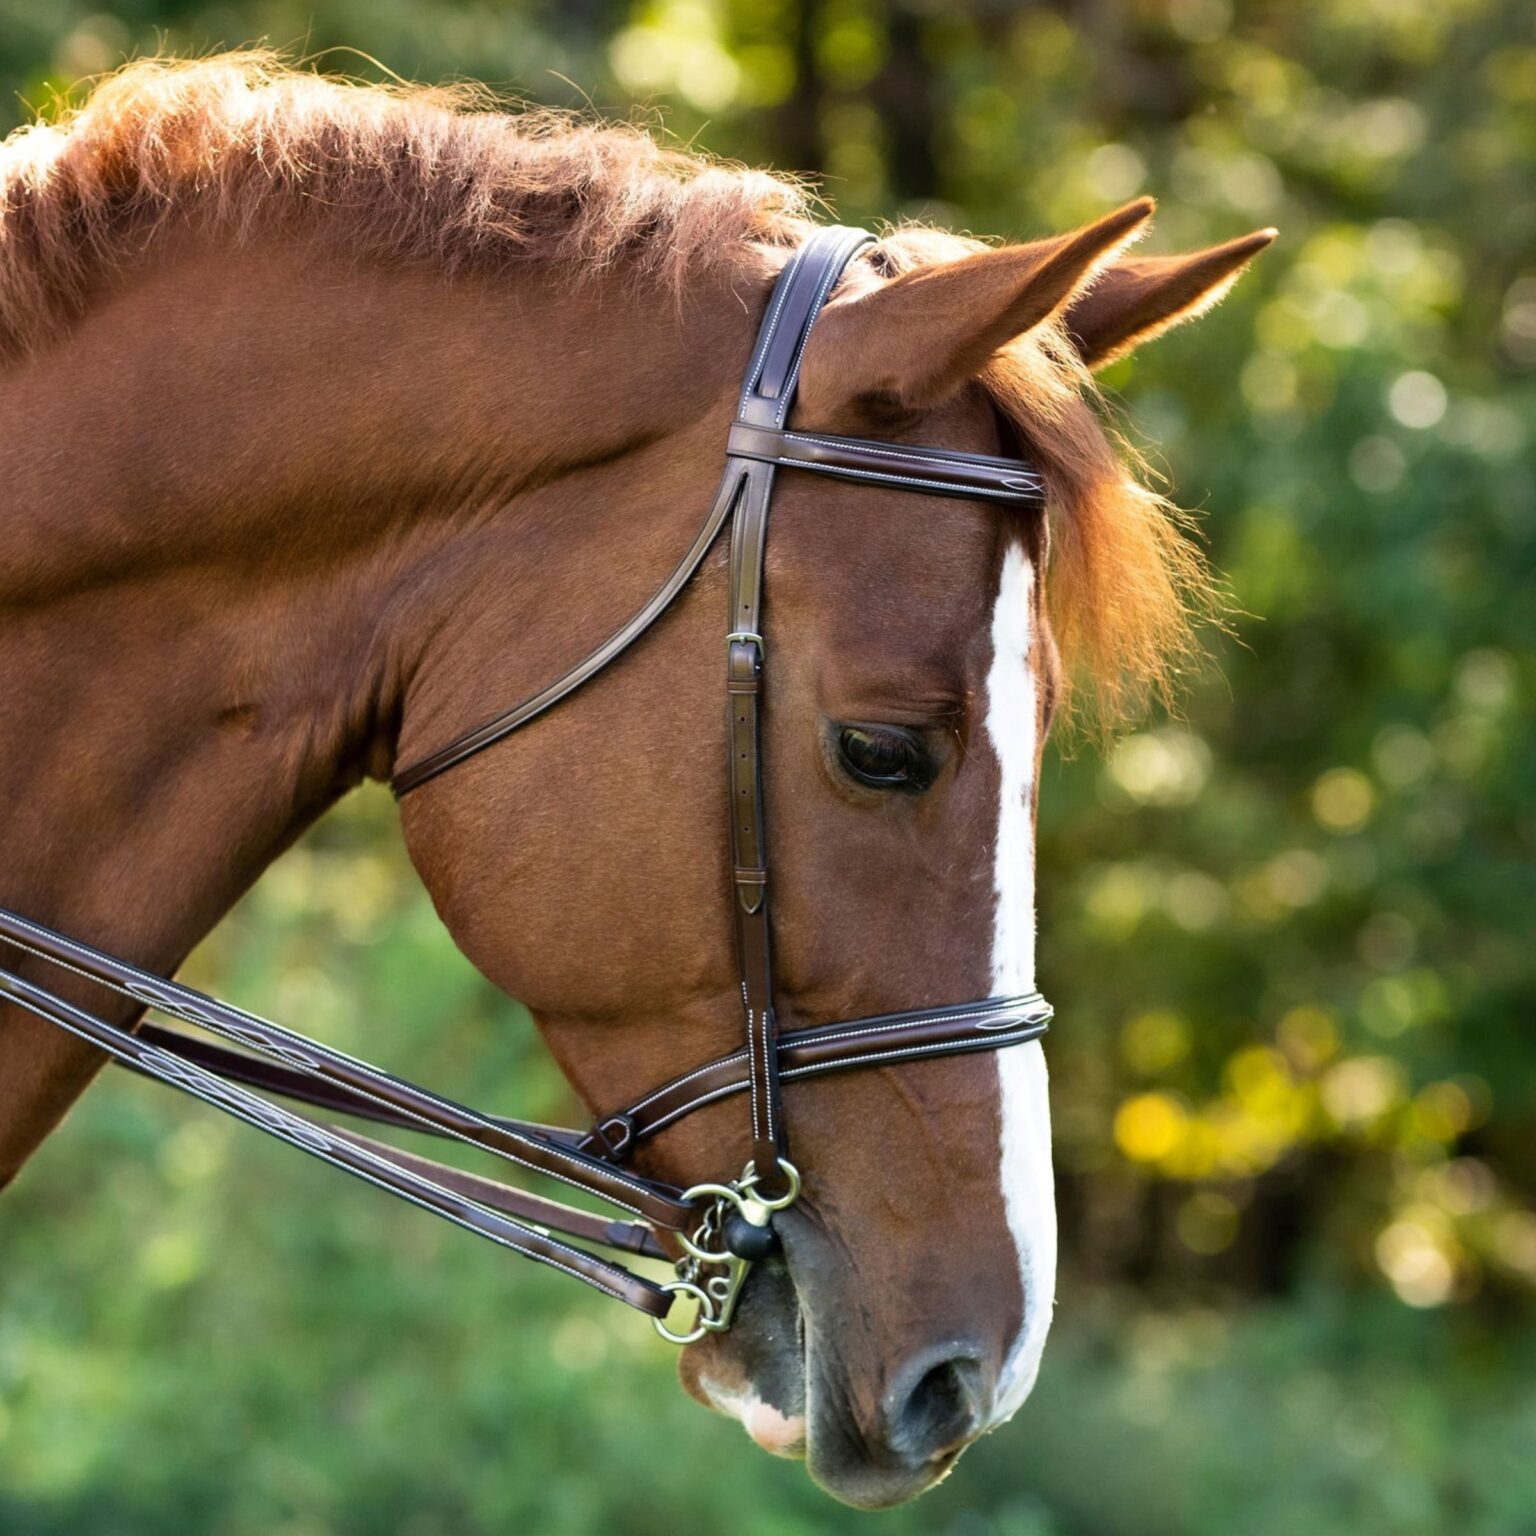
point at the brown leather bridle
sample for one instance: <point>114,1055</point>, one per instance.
<point>721,1228</point>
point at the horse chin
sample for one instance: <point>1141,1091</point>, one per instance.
<point>763,1374</point>
<point>756,1372</point>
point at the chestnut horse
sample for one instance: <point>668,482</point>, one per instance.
<point>338,419</point>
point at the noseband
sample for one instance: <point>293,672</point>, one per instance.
<point>721,1228</point>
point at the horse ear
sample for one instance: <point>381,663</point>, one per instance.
<point>918,338</point>
<point>1135,300</point>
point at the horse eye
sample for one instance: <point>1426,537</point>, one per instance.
<point>886,757</point>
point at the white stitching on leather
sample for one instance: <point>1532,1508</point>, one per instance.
<point>853,1032</point>
<point>792,378</point>
<point>1024,1034</point>
<point>175,991</point>
<point>918,455</point>
<point>769,1066</point>
<point>254,1110</point>
<point>954,487</point>
<point>770,327</point>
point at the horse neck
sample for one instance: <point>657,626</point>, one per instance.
<point>221,499</point>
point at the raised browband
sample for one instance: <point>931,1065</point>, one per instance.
<point>759,436</point>
<point>937,471</point>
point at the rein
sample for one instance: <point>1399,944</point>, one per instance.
<point>721,1228</point>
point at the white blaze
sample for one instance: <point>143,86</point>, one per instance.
<point>1028,1190</point>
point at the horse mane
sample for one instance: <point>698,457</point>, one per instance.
<point>242,143</point>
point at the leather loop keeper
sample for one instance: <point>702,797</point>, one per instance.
<point>751,884</point>
<point>617,1135</point>
<point>743,667</point>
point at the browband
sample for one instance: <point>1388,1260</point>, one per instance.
<point>939,471</point>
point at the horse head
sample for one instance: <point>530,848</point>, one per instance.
<point>915,677</point>
<point>380,414</point>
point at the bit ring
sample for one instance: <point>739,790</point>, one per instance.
<point>706,1313</point>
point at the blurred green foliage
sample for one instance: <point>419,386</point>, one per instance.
<point>1290,932</point>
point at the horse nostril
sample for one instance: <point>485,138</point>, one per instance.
<point>941,1412</point>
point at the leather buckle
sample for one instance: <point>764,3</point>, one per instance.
<point>743,662</point>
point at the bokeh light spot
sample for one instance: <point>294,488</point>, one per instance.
<point>1207,1222</point>
<point>1417,399</point>
<point>1414,1259</point>
<point>1343,799</point>
<point>1149,1126</point>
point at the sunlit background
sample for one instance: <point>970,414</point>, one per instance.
<point>1290,935</point>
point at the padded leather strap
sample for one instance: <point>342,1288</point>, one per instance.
<point>465,1199</point>
<point>938,471</point>
<point>884,1039</point>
